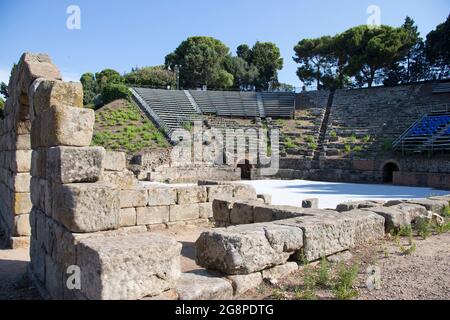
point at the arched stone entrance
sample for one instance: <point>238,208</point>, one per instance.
<point>388,170</point>
<point>246,169</point>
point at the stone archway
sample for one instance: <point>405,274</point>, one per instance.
<point>246,169</point>
<point>388,169</point>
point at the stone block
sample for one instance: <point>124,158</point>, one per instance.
<point>243,283</point>
<point>152,215</point>
<point>21,161</point>
<point>21,203</point>
<point>63,126</point>
<point>203,286</point>
<point>278,272</point>
<point>183,212</point>
<point>74,165</point>
<point>114,161</point>
<point>242,213</point>
<point>86,207</point>
<point>162,196</point>
<point>128,267</point>
<point>219,192</point>
<point>206,210</point>
<point>127,217</point>
<point>395,218</point>
<point>244,192</point>
<point>54,92</point>
<point>222,210</point>
<point>22,225</point>
<point>187,195</point>
<point>21,182</point>
<point>247,249</point>
<point>122,180</point>
<point>135,197</point>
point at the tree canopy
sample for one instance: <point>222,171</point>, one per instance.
<point>156,77</point>
<point>202,62</point>
<point>437,48</point>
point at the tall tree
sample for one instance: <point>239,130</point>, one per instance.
<point>90,89</point>
<point>202,62</point>
<point>245,74</point>
<point>266,57</point>
<point>437,48</point>
<point>316,59</point>
<point>108,76</point>
<point>371,50</point>
<point>413,66</point>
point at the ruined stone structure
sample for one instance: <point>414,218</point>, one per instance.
<point>357,128</point>
<point>90,223</point>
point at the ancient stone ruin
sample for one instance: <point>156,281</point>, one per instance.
<point>89,222</point>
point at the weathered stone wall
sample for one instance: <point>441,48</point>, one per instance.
<point>262,239</point>
<point>75,195</point>
<point>162,206</point>
<point>15,147</point>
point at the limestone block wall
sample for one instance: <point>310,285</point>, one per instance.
<point>77,248</point>
<point>15,148</point>
<point>163,206</point>
<point>262,239</point>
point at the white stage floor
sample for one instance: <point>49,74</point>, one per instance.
<point>330,194</point>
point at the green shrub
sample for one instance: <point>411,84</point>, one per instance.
<point>387,145</point>
<point>310,139</point>
<point>367,139</point>
<point>358,149</point>
<point>323,273</point>
<point>424,228</point>
<point>113,91</point>
<point>353,139</point>
<point>347,148</point>
<point>289,143</point>
<point>343,285</point>
<point>333,134</point>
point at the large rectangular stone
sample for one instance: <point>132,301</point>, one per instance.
<point>135,197</point>
<point>22,203</point>
<point>244,192</point>
<point>21,182</point>
<point>219,192</point>
<point>128,267</point>
<point>247,249</point>
<point>114,161</point>
<point>74,164</point>
<point>63,126</point>
<point>162,196</point>
<point>222,210</point>
<point>195,194</point>
<point>152,215</point>
<point>183,212</point>
<point>86,207</point>
<point>127,217</point>
<point>22,225</point>
<point>21,161</point>
<point>55,92</point>
<point>206,210</point>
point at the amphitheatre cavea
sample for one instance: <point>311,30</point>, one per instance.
<point>209,178</point>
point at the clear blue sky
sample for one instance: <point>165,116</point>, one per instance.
<point>124,34</point>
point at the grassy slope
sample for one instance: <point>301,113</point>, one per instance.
<point>121,126</point>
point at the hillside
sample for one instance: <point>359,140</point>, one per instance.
<point>121,126</point>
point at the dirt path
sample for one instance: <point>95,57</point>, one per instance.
<point>14,283</point>
<point>421,275</point>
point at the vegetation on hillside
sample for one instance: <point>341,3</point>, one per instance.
<point>121,126</point>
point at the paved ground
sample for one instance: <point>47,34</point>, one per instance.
<point>330,194</point>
